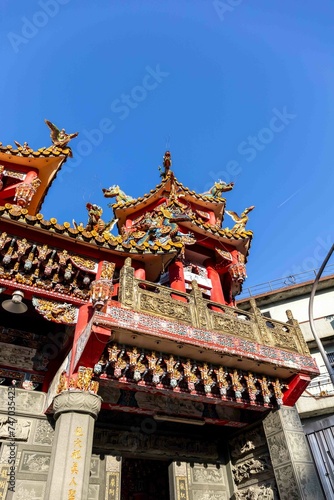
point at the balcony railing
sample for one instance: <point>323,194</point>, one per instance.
<point>192,308</point>
<point>286,282</point>
<point>321,386</point>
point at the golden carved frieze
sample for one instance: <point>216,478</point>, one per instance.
<point>129,364</point>
<point>230,325</point>
<point>44,267</point>
<point>281,335</point>
<point>164,306</point>
<point>107,271</point>
<point>82,381</point>
<point>58,312</point>
<point>83,263</point>
<point>284,340</point>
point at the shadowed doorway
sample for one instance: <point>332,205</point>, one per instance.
<point>144,479</point>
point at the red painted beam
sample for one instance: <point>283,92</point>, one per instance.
<point>85,314</point>
<point>297,385</point>
<point>91,354</point>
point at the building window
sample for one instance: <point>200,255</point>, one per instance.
<point>330,356</point>
<point>267,314</point>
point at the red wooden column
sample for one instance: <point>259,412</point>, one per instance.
<point>85,313</point>
<point>176,279</point>
<point>216,290</point>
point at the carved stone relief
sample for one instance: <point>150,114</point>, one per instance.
<point>250,467</point>
<point>207,482</point>
<point>17,429</point>
<point>205,475</point>
<point>278,449</point>
<point>231,325</point>
<point>6,455</point>
<point>267,491</point>
<point>293,466</point>
<point>113,464</point>
<point>82,402</point>
<point>113,474</point>
<point>308,481</point>
<point>94,467</point>
<point>272,423</point>
<point>209,495</point>
<point>36,462</point>
<point>93,492</point>
<point>245,443</point>
<point>286,483</point>
<point>291,419</point>
<point>169,405</point>
<point>29,490</point>
<point>25,401</point>
<point>17,356</point>
<point>298,447</point>
<point>44,433</point>
<point>4,473</point>
<point>284,339</point>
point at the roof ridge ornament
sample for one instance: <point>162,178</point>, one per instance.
<point>240,221</point>
<point>218,188</point>
<point>59,138</point>
<point>116,191</point>
<point>165,171</point>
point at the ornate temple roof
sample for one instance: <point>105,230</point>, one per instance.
<point>27,152</point>
<point>169,187</point>
<point>163,221</point>
<point>106,239</point>
<point>33,172</point>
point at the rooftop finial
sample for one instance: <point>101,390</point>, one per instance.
<point>167,163</point>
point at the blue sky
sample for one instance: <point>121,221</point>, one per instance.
<point>237,90</point>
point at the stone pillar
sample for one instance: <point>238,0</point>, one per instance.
<point>178,481</point>
<point>113,478</point>
<point>197,481</point>
<point>75,414</point>
<point>294,469</point>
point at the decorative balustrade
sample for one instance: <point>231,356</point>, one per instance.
<point>192,308</point>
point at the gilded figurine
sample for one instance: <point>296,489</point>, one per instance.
<point>167,163</point>
<point>240,221</point>
<point>59,137</point>
<point>218,188</point>
<point>115,191</point>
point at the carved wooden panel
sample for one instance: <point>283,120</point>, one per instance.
<point>242,328</point>
<point>164,307</point>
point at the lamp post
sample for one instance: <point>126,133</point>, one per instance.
<point>310,313</point>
